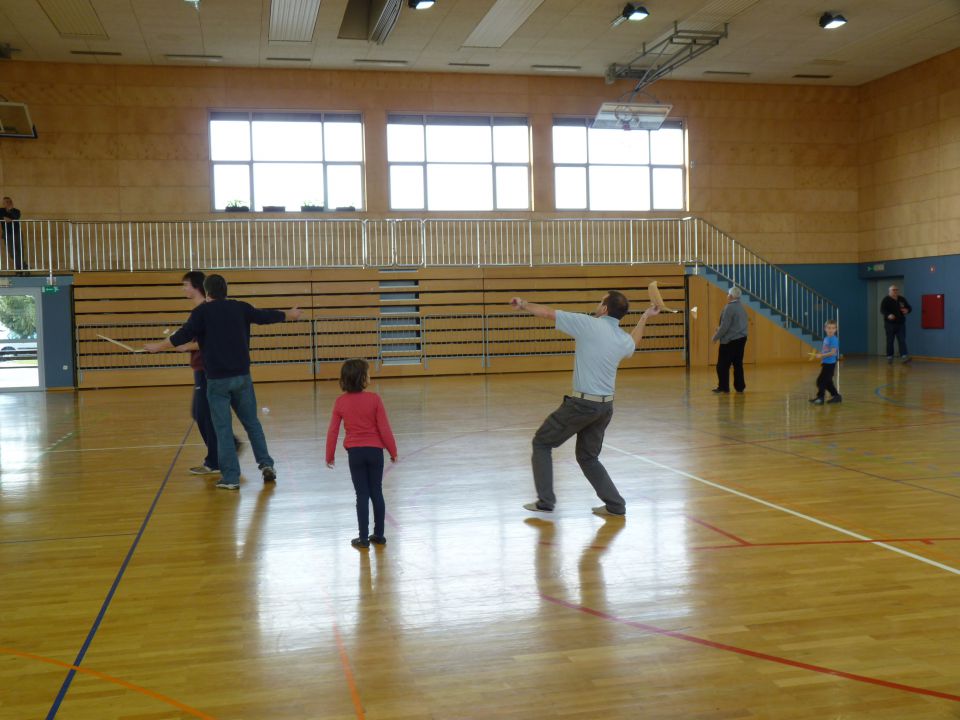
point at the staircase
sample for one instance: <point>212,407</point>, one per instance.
<point>400,326</point>
<point>768,289</point>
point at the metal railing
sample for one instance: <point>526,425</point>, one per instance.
<point>50,246</point>
<point>66,246</point>
<point>796,304</point>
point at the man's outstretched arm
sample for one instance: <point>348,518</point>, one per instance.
<point>541,311</point>
<point>637,332</point>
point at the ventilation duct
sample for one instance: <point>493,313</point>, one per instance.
<point>370,20</point>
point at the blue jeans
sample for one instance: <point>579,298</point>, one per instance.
<point>366,471</point>
<point>236,392</point>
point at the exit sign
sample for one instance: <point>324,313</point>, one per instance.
<point>47,289</point>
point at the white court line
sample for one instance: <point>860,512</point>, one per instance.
<point>787,510</point>
<point>122,447</point>
<point>280,441</point>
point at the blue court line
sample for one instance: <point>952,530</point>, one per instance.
<point>116,582</point>
<point>71,537</point>
<point>878,392</point>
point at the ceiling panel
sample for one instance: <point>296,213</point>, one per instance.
<point>73,18</point>
<point>771,39</point>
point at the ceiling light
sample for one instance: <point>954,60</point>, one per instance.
<point>557,68</point>
<point>632,12</point>
<point>830,21</point>
<point>382,63</point>
<point>420,4</point>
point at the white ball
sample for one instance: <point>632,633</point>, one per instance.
<point>266,411</point>
<point>166,331</point>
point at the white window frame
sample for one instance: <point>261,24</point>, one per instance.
<point>649,165</point>
<point>253,115</point>
<point>424,120</point>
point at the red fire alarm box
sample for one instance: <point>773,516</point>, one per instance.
<point>931,312</point>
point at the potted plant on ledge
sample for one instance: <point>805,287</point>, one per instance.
<point>236,206</point>
<point>309,206</point>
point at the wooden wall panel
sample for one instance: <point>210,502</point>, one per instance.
<point>910,162</point>
<point>128,142</point>
<point>453,301</point>
<point>766,342</point>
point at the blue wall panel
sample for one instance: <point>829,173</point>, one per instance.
<point>925,276</point>
<point>841,283</point>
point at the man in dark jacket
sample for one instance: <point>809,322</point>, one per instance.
<point>10,224</point>
<point>895,308</point>
<point>222,329</point>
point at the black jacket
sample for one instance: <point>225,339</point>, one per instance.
<point>889,306</point>
<point>222,329</point>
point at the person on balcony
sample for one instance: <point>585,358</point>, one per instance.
<point>732,336</point>
<point>600,346</point>
<point>895,308</point>
<point>10,217</point>
<point>221,327</point>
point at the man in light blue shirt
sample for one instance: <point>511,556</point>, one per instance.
<point>601,345</point>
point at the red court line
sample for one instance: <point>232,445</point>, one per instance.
<point>739,540</point>
<point>345,661</point>
<point>925,541</point>
<point>109,678</point>
<point>853,431</point>
<point>736,538</point>
<point>752,653</point>
<point>390,518</point>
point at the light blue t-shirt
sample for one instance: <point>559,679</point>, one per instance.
<point>830,343</point>
<point>601,345</point>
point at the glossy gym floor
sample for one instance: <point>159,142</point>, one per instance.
<point>778,560</point>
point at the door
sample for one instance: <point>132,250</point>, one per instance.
<point>876,291</point>
<point>21,364</point>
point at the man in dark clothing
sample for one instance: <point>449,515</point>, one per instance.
<point>895,308</point>
<point>200,407</point>
<point>10,219</point>
<point>222,329</point>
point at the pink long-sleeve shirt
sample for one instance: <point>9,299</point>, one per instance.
<point>366,424</point>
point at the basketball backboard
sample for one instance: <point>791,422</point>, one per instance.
<point>631,116</point>
<point>15,121</point>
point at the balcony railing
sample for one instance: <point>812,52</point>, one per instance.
<point>54,246</point>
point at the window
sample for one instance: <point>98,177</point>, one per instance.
<point>443,162</point>
<point>616,169</point>
<point>286,159</point>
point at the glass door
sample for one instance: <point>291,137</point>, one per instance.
<point>20,356</point>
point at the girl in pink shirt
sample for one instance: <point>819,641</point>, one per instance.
<point>368,434</point>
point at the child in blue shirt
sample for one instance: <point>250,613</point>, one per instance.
<point>829,354</point>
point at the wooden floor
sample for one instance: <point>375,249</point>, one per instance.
<point>778,560</point>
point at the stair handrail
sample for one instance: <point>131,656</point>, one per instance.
<point>818,308</point>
